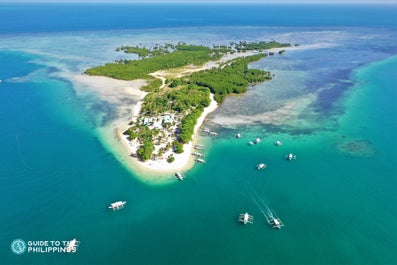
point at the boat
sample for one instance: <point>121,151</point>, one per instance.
<point>197,154</point>
<point>261,166</point>
<point>206,130</point>
<point>72,245</point>
<point>275,222</point>
<point>213,134</point>
<point>245,218</point>
<point>257,140</point>
<point>290,156</point>
<point>251,143</point>
<point>278,143</point>
<point>238,135</point>
<point>117,205</point>
<point>202,161</point>
<point>179,176</point>
<point>199,146</point>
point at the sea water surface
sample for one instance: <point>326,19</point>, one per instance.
<point>332,102</point>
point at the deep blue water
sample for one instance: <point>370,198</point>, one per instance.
<point>337,199</point>
<point>31,18</point>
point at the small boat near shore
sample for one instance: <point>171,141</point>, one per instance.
<point>245,218</point>
<point>278,143</point>
<point>117,205</point>
<point>238,135</point>
<point>199,146</point>
<point>213,134</point>
<point>197,154</point>
<point>261,166</point>
<point>290,156</point>
<point>256,141</point>
<point>179,176</point>
<point>206,130</point>
<point>200,160</point>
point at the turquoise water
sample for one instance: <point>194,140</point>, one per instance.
<point>337,200</point>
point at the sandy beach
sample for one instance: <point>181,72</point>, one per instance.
<point>116,92</point>
<point>128,97</point>
<point>182,161</point>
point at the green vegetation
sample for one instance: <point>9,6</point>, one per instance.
<point>169,115</point>
<point>152,84</point>
<point>233,78</point>
<point>244,46</point>
<point>188,123</point>
<point>142,52</point>
<point>177,147</point>
<point>170,159</point>
<point>182,55</point>
<point>179,100</point>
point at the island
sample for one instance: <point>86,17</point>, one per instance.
<point>183,84</point>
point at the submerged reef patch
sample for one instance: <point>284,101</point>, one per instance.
<point>357,148</point>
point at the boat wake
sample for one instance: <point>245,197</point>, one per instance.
<point>263,207</point>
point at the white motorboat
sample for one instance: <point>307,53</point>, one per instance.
<point>179,176</point>
<point>278,143</point>
<point>245,218</point>
<point>261,166</point>
<point>276,223</point>
<point>117,205</point>
<point>200,160</point>
<point>290,156</point>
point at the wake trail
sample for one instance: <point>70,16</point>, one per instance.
<point>259,202</point>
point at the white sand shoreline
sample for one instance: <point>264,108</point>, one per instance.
<point>182,161</point>
<point>115,91</point>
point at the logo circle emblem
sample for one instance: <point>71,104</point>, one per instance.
<point>18,246</point>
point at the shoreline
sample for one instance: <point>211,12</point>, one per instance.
<point>113,90</point>
<point>183,161</point>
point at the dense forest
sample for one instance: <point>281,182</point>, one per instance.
<point>233,78</point>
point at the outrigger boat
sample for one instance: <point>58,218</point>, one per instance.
<point>202,161</point>
<point>179,176</point>
<point>197,154</point>
<point>72,245</point>
<point>261,166</point>
<point>245,218</point>
<point>278,143</point>
<point>238,135</point>
<point>251,143</point>
<point>213,134</point>
<point>257,140</point>
<point>199,146</point>
<point>117,205</point>
<point>206,130</point>
<point>275,222</point>
<point>290,156</point>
